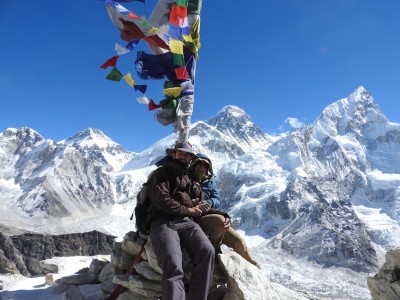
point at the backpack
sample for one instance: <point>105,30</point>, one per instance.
<point>141,209</point>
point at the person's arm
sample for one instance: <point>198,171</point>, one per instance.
<point>162,199</point>
<point>211,194</point>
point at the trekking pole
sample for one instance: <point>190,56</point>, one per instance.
<point>119,289</point>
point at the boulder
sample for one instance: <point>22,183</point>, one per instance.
<point>386,284</point>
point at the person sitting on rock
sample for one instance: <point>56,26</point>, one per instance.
<point>216,226</point>
<point>172,214</point>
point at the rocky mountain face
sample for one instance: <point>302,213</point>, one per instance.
<point>305,189</point>
<point>23,253</point>
<point>328,192</point>
<point>44,179</point>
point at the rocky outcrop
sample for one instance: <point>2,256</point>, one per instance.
<point>133,274</point>
<point>23,253</point>
<point>386,284</point>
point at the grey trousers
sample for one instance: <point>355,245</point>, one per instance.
<point>167,239</point>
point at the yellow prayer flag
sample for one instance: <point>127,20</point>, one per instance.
<point>176,46</point>
<point>129,80</point>
<point>188,39</point>
<point>152,30</point>
<point>173,92</point>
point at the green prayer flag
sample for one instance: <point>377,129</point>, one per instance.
<point>168,103</point>
<point>182,2</point>
<point>170,84</point>
<point>114,75</point>
<point>178,60</point>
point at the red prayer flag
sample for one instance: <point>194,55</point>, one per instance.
<point>178,15</point>
<point>112,62</point>
<point>132,15</point>
<point>152,105</point>
<point>181,73</point>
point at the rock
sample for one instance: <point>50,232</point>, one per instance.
<point>77,279</point>
<point>144,269</point>
<point>108,286</point>
<point>23,253</point>
<point>151,257</point>
<point>139,285</point>
<point>48,268</point>
<point>49,279</point>
<point>96,266</point>
<point>121,259</point>
<point>386,284</point>
<point>11,260</point>
<point>130,245</point>
<point>246,282</point>
<point>107,273</point>
<point>129,295</point>
<point>73,293</point>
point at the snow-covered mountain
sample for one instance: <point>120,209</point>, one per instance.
<point>320,200</point>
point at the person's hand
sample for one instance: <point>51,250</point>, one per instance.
<point>204,207</point>
<point>194,212</point>
<point>224,227</point>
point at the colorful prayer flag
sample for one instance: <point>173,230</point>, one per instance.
<point>173,92</point>
<point>152,105</point>
<point>112,62</point>
<point>142,100</point>
<point>178,60</point>
<point>129,80</point>
<point>120,49</point>
<point>114,75</point>
<point>141,88</point>
<point>181,73</point>
<point>176,46</point>
<point>178,15</point>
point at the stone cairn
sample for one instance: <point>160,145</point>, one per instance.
<point>234,278</point>
<point>143,283</point>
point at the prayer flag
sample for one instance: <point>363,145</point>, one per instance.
<point>114,75</point>
<point>176,46</point>
<point>143,100</point>
<point>152,105</point>
<point>178,60</point>
<point>129,80</point>
<point>178,15</point>
<point>141,88</point>
<point>120,49</point>
<point>173,92</point>
<point>181,73</point>
<point>182,2</point>
<point>112,62</point>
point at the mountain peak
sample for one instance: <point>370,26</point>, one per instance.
<point>25,134</point>
<point>352,114</point>
<point>233,110</point>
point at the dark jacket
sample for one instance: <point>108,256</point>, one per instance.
<point>171,190</point>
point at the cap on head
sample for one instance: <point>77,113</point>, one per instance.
<point>204,159</point>
<point>184,147</point>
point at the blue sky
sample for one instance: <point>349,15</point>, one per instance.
<point>275,59</point>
